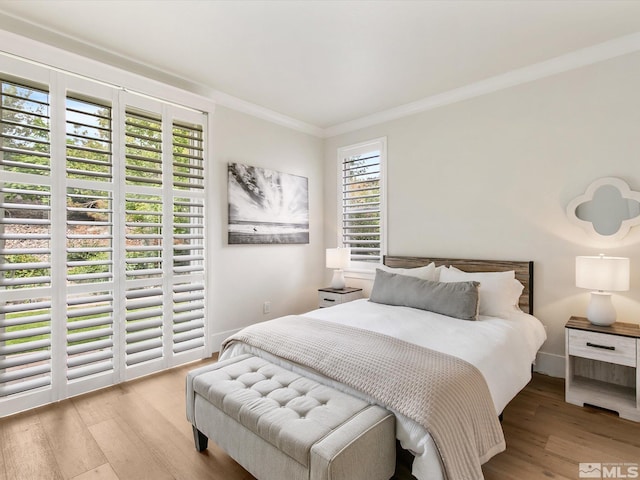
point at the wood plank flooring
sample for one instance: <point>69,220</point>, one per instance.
<point>138,430</point>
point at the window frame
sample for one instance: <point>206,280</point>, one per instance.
<point>176,107</point>
<point>357,269</point>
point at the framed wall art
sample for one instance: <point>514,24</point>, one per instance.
<point>266,206</point>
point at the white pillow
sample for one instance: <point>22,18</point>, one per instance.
<point>438,270</point>
<point>499,291</point>
<point>506,274</point>
<point>427,272</point>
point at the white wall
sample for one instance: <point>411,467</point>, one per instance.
<point>491,177</point>
<point>245,276</point>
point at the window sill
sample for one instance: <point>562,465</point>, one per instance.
<point>360,274</point>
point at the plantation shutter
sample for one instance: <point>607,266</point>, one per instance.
<point>145,296</point>
<point>102,264</point>
<point>25,239</point>
<point>361,203</point>
<point>188,237</point>
<point>89,239</point>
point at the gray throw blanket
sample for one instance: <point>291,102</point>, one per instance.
<point>446,395</point>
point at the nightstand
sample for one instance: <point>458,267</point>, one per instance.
<point>328,297</point>
<point>602,366</point>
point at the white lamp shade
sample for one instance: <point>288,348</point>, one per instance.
<point>602,273</point>
<point>338,257</point>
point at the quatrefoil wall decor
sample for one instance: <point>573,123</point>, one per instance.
<point>607,209</point>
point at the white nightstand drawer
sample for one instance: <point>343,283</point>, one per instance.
<point>328,297</point>
<point>604,347</point>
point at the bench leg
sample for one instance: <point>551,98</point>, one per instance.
<point>200,439</point>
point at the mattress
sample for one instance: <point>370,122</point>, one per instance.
<point>503,349</point>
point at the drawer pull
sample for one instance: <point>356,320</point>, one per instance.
<point>604,347</point>
<point>329,299</point>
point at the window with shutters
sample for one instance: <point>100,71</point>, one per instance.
<point>89,238</point>
<point>102,238</point>
<point>144,233</point>
<point>25,238</point>
<point>361,202</point>
<point>188,286</point>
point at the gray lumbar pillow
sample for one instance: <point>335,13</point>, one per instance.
<point>455,299</point>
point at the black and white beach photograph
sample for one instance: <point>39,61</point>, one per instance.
<point>266,206</point>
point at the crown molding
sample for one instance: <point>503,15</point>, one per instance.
<point>48,55</point>
<point>37,48</point>
<point>563,63</point>
<point>52,49</point>
<point>235,103</point>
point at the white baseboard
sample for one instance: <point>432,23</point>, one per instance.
<point>550,364</point>
<point>219,337</point>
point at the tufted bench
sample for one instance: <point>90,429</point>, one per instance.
<point>281,426</point>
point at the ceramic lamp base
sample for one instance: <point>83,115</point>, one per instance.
<point>600,310</point>
<point>338,279</point>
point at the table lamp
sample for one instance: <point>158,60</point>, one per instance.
<point>602,275</point>
<point>338,258</point>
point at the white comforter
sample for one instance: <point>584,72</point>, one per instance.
<point>502,349</point>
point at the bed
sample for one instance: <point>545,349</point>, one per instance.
<point>501,343</point>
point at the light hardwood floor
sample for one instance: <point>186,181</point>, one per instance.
<point>138,430</point>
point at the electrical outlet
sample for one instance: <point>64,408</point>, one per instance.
<point>266,307</point>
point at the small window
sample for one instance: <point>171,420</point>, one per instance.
<point>362,202</point>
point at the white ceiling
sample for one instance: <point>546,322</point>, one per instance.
<point>323,62</point>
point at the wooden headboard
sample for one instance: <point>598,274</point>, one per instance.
<point>524,271</point>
